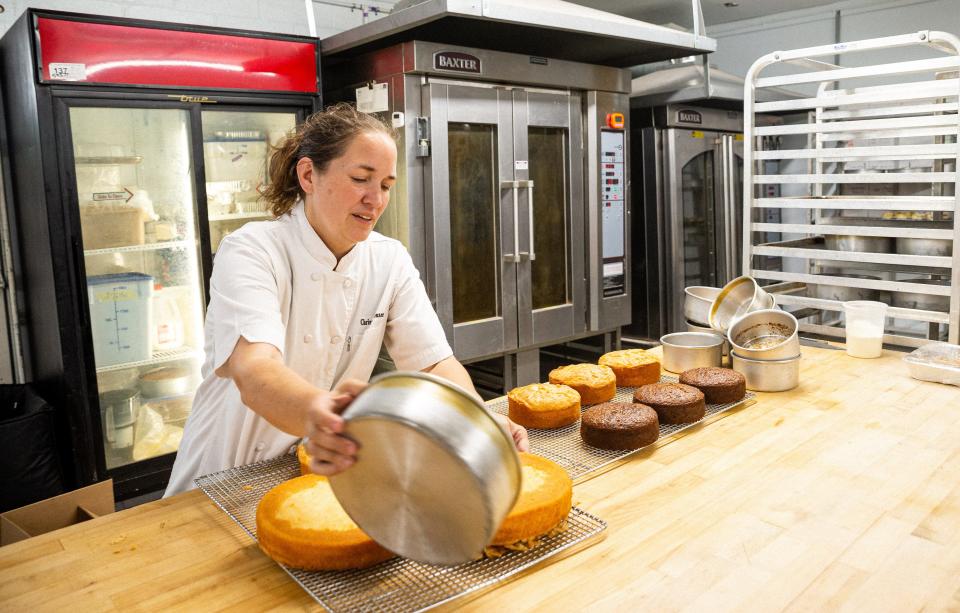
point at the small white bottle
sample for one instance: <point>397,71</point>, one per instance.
<point>167,326</point>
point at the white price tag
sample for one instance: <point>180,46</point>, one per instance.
<point>520,165</point>
<point>68,72</point>
<point>372,99</point>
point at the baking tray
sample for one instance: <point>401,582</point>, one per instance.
<point>398,584</point>
<point>583,462</point>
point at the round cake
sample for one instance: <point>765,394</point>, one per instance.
<point>633,367</point>
<point>619,425</point>
<point>544,405</point>
<point>675,403</point>
<point>304,458</point>
<point>546,495</point>
<point>719,385</point>
<point>593,382</point>
<point>301,524</point>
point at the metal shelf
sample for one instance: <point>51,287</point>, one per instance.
<point>144,247</point>
<point>859,129</point>
<point>158,357</point>
<point>117,160</point>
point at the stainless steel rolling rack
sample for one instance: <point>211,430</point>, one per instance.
<point>881,199</point>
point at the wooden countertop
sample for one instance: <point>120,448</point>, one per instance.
<point>844,491</point>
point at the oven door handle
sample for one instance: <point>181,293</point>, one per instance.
<point>515,187</point>
<point>529,185</point>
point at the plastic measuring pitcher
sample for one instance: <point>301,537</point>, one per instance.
<point>865,322</point>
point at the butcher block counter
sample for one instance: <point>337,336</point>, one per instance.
<point>844,491</point>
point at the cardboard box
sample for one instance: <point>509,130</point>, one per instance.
<point>58,512</point>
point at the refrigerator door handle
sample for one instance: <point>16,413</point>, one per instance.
<point>515,186</point>
<point>529,186</point>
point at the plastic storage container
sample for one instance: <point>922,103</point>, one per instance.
<point>120,317</point>
<point>936,362</point>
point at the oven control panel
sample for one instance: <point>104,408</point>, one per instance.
<point>612,208</point>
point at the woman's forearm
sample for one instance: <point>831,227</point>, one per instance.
<point>269,387</point>
<point>452,370</point>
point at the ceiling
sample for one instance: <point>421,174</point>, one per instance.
<point>714,11</point>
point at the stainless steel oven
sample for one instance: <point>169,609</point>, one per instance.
<point>688,182</point>
<point>512,195</point>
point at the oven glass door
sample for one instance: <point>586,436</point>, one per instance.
<point>551,289</point>
<point>474,212</point>
<point>693,215</point>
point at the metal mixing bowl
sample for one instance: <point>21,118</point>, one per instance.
<point>685,350</point>
<point>435,473</point>
<point>696,303</point>
<point>925,246</point>
<point>845,294</point>
<point>916,300</point>
<point>770,334</point>
<point>736,299</point>
<point>870,244</point>
<point>768,375</point>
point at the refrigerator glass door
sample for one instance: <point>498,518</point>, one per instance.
<point>475,214</point>
<point>136,206</point>
<point>236,150</point>
<point>551,290</point>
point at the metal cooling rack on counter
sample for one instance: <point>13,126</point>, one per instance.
<point>581,461</point>
<point>398,584</point>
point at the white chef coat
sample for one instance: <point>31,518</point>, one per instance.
<point>277,282</point>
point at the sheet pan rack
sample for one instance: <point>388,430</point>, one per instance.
<point>868,174</point>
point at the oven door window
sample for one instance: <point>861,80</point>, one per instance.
<point>697,192</point>
<point>474,221</point>
<point>548,170</point>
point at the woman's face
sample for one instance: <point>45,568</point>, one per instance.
<point>344,202</point>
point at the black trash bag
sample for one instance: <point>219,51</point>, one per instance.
<point>29,467</point>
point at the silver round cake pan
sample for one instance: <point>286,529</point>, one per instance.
<point>685,350</point>
<point>736,299</point>
<point>435,473</point>
<point>769,334</point>
<point>696,303</point>
<point>694,327</point>
<point>768,375</point>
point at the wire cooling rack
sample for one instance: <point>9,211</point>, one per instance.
<point>581,461</point>
<point>398,584</point>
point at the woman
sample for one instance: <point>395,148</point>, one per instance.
<point>301,305</point>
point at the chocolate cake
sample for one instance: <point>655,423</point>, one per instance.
<point>719,385</point>
<point>619,425</point>
<point>675,403</point>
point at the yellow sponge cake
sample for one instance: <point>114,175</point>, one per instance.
<point>301,524</point>
<point>545,499</point>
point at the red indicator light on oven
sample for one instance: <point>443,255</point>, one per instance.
<point>615,120</point>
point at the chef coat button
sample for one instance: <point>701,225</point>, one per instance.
<point>315,276</point>
<point>348,283</point>
<point>260,446</point>
<point>335,340</point>
<point>308,338</point>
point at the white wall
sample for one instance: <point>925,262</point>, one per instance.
<point>740,43</point>
<point>282,16</point>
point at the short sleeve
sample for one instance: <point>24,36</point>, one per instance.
<point>414,337</point>
<point>244,298</point>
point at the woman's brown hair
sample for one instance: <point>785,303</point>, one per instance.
<point>323,137</point>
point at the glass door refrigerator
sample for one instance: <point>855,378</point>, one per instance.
<point>135,147</point>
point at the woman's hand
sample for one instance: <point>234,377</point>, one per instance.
<point>331,452</point>
<point>517,432</point>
